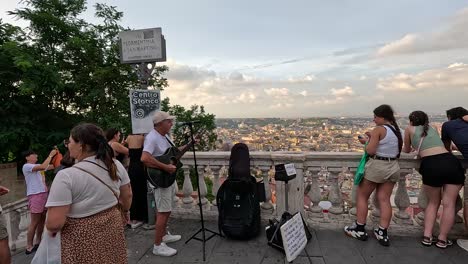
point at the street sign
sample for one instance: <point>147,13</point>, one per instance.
<point>143,105</point>
<point>143,45</point>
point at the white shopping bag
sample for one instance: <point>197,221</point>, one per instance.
<point>49,249</point>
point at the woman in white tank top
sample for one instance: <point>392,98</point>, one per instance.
<point>381,173</point>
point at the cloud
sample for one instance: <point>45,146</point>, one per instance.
<point>344,92</point>
<point>277,92</point>
<point>454,76</point>
<point>302,79</point>
<point>454,35</point>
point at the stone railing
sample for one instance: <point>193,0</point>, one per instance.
<point>16,215</point>
<point>320,176</point>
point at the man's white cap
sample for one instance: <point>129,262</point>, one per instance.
<point>161,116</point>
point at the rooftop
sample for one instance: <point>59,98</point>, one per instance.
<point>327,246</point>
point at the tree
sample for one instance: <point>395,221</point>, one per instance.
<point>205,128</point>
<point>60,71</point>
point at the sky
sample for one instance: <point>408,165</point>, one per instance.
<point>306,58</point>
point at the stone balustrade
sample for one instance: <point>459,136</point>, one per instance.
<point>320,176</point>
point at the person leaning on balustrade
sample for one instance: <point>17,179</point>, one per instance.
<point>84,201</point>
<point>382,171</point>
<point>5,256</point>
<point>442,174</point>
<point>120,151</point>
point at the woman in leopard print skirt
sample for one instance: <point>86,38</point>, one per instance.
<point>86,201</point>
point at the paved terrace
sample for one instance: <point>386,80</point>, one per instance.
<point>327,246</point>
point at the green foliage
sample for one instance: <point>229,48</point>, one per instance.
<point>205,129</point>
<point>60,71</point>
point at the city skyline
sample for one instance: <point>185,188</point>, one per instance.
<point>306,58</point>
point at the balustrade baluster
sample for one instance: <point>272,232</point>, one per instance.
<point>216,184</point>
<point>267,206</point>
<point>203,190</point>
<point>402,201</point>
<point>315,195</point>
<point>187,189</point>
<point>334,196</point>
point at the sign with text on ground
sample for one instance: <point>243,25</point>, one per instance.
<point>143,45</point>
<point>294,237</point>
<point>143,105</point>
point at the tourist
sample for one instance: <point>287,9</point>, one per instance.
<point>120,151</point>
<point>382,171</point>
<point>5,256</point>
<point>84,201</point>
<point>136,171</point>
<point>456,131</point>
<point>156,143</point>
<point>442,175</point>
<point>36,191</point>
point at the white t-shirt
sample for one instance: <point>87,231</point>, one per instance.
<point>155,143</point>
<point>86,195</point>
<point>34,182</point>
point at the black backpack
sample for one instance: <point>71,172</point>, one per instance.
<point>238,204</point>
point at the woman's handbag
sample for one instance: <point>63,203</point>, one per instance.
<point>49,250</point>
<point>361,167</point>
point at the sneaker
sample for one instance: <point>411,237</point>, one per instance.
<point>354,231</point>
<point>428,241</point>
<point>163,250</point>
<point>382,237</point>
<point>444,244</point>
<point>135,224</point>
<point>168,238</point>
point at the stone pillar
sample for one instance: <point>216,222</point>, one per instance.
<point>176,199</point>
<point>353,210</point>
<point>187,201</point>
<point>24,221</point>
<point>375,214</point>
<point>266,206</point>
<point>216,184</point>
<point>315,211</point>
<point>334,196</point>
<point>203,190</point>
<point>402,202</point>
<point>422,203</point>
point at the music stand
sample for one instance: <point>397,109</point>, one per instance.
<point>203,229</point>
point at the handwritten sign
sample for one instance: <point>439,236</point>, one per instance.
<point>143,45</point>
<point>294,237</point>
<point>290,169</point>
<point>143,105</point>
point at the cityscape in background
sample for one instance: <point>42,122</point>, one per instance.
<point>337,134</point>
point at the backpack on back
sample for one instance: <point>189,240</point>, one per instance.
<point>238,204</point>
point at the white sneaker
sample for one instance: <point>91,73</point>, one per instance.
<point>136,224</point>
<point>163,250</point>
<point>168,238</point>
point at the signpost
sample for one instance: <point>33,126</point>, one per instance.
<point>143,48</point>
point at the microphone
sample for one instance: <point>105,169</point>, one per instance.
<point>188,123</point>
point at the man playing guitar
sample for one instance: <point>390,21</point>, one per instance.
<point>156,143</point>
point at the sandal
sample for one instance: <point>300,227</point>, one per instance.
<point>428,241</point>
<point>444,244</point>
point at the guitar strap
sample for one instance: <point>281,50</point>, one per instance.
<point>168,140</point>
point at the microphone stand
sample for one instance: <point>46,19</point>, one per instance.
<point>202,230</point>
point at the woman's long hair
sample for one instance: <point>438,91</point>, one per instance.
<point>386,112</point>
<point>456,112</point>
<point>92,137</point>
<point>110,133</point>
<point>419,118</point>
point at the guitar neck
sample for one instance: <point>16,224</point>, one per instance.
<point>183,150</point>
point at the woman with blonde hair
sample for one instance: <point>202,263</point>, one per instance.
<point>86,201</point>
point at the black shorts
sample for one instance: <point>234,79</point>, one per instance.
<point>440,169</point>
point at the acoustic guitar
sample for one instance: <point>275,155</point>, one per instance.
<point>161,178</point>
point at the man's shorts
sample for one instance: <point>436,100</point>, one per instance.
<point>37,202</point>
<point>3,229</point>
<point>381,171</point>
<point>163,198</point>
